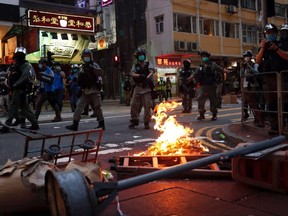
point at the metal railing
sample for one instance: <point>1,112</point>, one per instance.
<point>271,87</point>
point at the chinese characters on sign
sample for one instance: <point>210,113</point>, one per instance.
<point>173,62</point>
<point>60,21</point>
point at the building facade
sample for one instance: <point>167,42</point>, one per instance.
<point>178,29</point>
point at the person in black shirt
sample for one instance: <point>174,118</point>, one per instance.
<point>271,58</point>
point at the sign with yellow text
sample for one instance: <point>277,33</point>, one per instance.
<point>60,21</point>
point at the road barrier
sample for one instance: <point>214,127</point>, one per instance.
<point>269,92</point>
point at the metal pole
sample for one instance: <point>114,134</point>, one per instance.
<point>264,12</point>
<point>139,180</point>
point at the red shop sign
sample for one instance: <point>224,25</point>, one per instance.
<point>60,21</point>
<point>173,62</point>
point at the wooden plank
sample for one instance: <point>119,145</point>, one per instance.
<point>183,160</point>
<point>214,166</point>
<point>126,162</point>
<point>155,161</point>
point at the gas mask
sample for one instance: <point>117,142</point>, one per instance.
<point>205,59</point>
<point>271,37</point>
<point>247,59</point>
<point>141,58</point>
<point>86,59</point>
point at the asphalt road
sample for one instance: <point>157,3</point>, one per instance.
<point>118,138</point>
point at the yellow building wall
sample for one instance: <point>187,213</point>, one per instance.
<point>214,44</point>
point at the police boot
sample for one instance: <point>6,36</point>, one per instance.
<point>16,123</point>
<point>34,126</point>
<point>133,123</point>
<point>74,126</point>
<point>4,129</point>
<point>101,125</point>
<point>22,123</point>
<point>57,118</point>
<point>146,125</point>
<point>214,117</point>
<point>201,116</point>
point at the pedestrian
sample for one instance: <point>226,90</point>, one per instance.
<point>19,79</point>
<point>90,83</point>
<point>168,88</point>
<point>207,75</point>
<point>46,90</point>
<point>142,74</point>
<point>59,77</point>
<point>271,58</point>
<point>248,72</point>
<point>186,86</point>
<point>73,93</point>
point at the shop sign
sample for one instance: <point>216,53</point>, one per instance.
<point>60,21</point>
<point>173,62</point>
<point>102,44</point>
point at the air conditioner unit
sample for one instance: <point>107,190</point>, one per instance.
<point>231,9</point>
<point>193,46</point>
<point>182,45</point>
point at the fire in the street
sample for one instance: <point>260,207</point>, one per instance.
<point>174,138</point>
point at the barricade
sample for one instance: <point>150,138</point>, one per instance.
<point>62,148</point>
<point>270,171</point>
<point>279,91</point>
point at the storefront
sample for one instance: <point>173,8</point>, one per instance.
<point>65,36</point>
<point>169,66</point>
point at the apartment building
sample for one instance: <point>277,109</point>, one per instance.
<point>178,29</point>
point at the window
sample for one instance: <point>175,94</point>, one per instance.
<point>182,23</point>
<point>230,30</point>
<point>248,4</point>
<point>249,34</point>
<point>159,24</point>
<point>209,27</point>
<point>279,10</point>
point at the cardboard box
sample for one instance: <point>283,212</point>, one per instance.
<point>229,99</point>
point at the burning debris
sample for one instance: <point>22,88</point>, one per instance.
<point>175,138</point>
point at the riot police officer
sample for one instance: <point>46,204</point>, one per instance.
<point>19,80</point>
<point>90,83</point>
<point>208,75</point>
<point>187,86</point>
<point>142,74</point>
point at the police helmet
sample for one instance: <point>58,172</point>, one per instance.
<point>75,66</point>
<point>140,51</point>
<point>87,52</point>
<point>205,53</point>
<point>21,50</point>
<point>187,61</point>
<point>284,27</point>
<point>247,53</point>
<point>270,26</point>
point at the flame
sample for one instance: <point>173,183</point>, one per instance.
<point>175,138</point>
